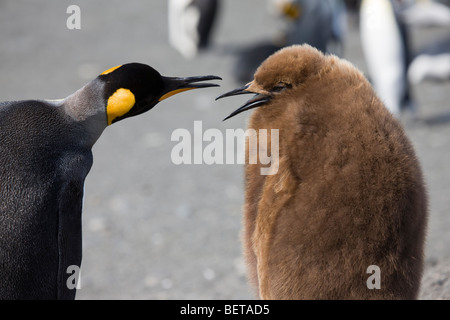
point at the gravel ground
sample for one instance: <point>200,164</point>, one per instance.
<point>153,229</point>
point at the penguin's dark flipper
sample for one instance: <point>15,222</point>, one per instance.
<point>74,168</point>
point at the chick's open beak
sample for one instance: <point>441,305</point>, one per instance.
<point>174,85</point>
<point>257,100</point>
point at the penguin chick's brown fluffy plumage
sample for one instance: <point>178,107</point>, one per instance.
<point>348,193</point>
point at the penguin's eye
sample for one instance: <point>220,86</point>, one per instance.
<point>281,86</point>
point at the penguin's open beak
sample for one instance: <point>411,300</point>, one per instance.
<point>174,85</point>
<point>258,100</point>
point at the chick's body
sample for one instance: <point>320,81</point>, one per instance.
<point>349,191</point>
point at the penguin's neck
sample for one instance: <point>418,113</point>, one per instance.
<point>86,107</point>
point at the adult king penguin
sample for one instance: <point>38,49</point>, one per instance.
<point>190,24</point>
<point>345,215</point>
<point>45,155</point>
<point>386,48</point>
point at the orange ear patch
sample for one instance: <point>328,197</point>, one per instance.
<point>119,103</point>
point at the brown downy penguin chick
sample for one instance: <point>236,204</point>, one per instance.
<point>348,194</point>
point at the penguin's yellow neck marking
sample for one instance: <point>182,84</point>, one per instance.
<point>110,70</point>
<point>119,103</point>
<point>173,92</point>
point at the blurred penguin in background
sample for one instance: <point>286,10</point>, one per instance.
<point>319,23</point>
<point>384,41</point>
<point>432,61</point>
<point>427,13</point>
<point>190,25</point>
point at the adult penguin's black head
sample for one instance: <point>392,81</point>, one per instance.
<point>134,88</point>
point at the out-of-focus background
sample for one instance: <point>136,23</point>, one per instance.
<point>156,230</point>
